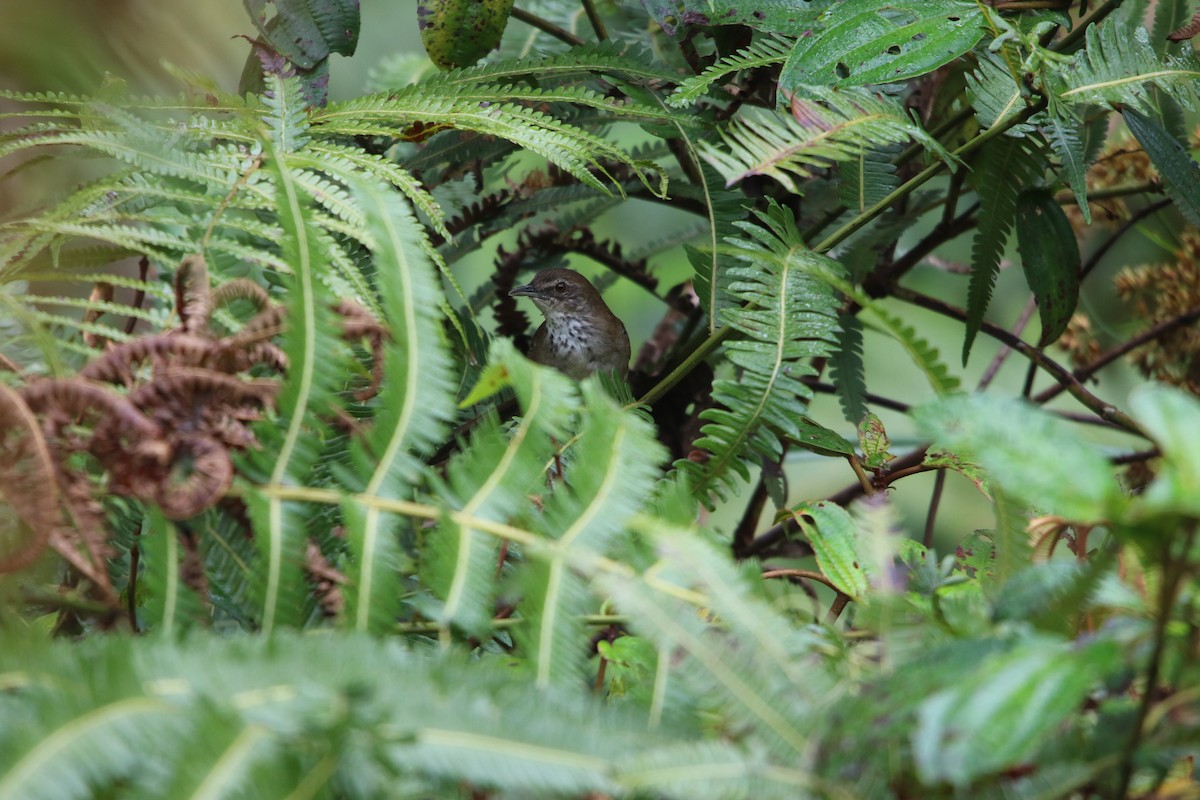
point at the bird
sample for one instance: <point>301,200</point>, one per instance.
<point>581,334</point>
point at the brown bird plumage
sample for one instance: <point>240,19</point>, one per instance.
<point>580,335</point>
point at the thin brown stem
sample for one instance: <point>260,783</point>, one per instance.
<point>1057,371</point>
<point>1106,358</point>
<point>1101,251</point>
<point>589,7</point>
<point>807,574</point>
<point>939,482</point>
<point>546,26</point>
<point>1005,351</point>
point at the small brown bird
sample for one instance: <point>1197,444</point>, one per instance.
<point>580,335</point>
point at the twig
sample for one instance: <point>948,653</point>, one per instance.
<point>1101,251</point>
<point>989,374</point>
<point>546,26</point>
<point>1102,409</point>
<point>799,573</point>
<point>1104,359</point>
<point>589,7</point>
<point>939,482</point>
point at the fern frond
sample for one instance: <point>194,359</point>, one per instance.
<point>824,127</point>
<point>615,463</point>
<point>787,313</point>
<point>295,441</point>
<point>924,355</point>
<point>1115,68</point>
<point>995,95</point>
<point>763,53</point>
<point>570,147</point>
<point>604,58</point>
<point>752,672</point>
<point>352,159</point>
<point>867,179</point>
<point>1006,166</point>
<point>286,118</point>
<point>846,369</point>
<point>419,386</point>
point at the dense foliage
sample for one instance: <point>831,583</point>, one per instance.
<point>289,515</point>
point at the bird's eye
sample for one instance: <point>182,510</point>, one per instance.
<point>560,287</point>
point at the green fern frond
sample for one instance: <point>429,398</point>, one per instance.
<point>1115,68</point>
<point>763,53</point>
<point>295,440</point>
<point>612,471</point>
<point>921,352</point>
<point>995,95</point>
<point>725,208</point>
<point>1006,166</point>
<point>846,369</point>
<point>752,670</point>
<point>824,127</point>
<point>352,160</point>
<point>605,58</point>
<point>419,387</point>
<point>787,314</point>
<point>570,147</point>
<point>867,178</point>
<point>287,117</point>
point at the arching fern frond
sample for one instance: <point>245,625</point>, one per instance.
<point>787,313</point>
<point>824,127</point>
<point>763,53</point>
<point>1115,68</point>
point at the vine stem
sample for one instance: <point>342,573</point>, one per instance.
<point>1174,569</point>
<point>546,26</point>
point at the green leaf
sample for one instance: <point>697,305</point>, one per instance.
<point>834,540</point>
<point>307,31</point>
<point>489,481</point>
<point>457,33</point>
<point>821,440</point>
<point>615,462</point>
<point>1179,171</point>
<point>787,314</point>
<point>762,53</point>
<point>1172,418</point>
<point>1050,259</point>
<point>872,42</point>
<point>418,401</point>
<point>924,355</point>
<point>998,715</point>
<point>874,441</point>
<point>1036,457</point>
<point>170,606</point>
<point>1116,68</point>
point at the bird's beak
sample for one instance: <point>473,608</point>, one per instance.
<point>524,291</point>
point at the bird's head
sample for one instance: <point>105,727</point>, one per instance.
<point>561,292</point>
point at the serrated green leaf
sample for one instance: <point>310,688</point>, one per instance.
<point>776,16</point>
<point>819,439</point>
<point>307,31</point>
<point>1179,171</point>
<point>1172,418</point>
<point>1050,258</point>
<point>1036,457</point>
<point>1000,713</point>
<point>872,42</point>
<point>833,537</point>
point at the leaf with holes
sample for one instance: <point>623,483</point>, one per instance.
<point>874,42</point>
